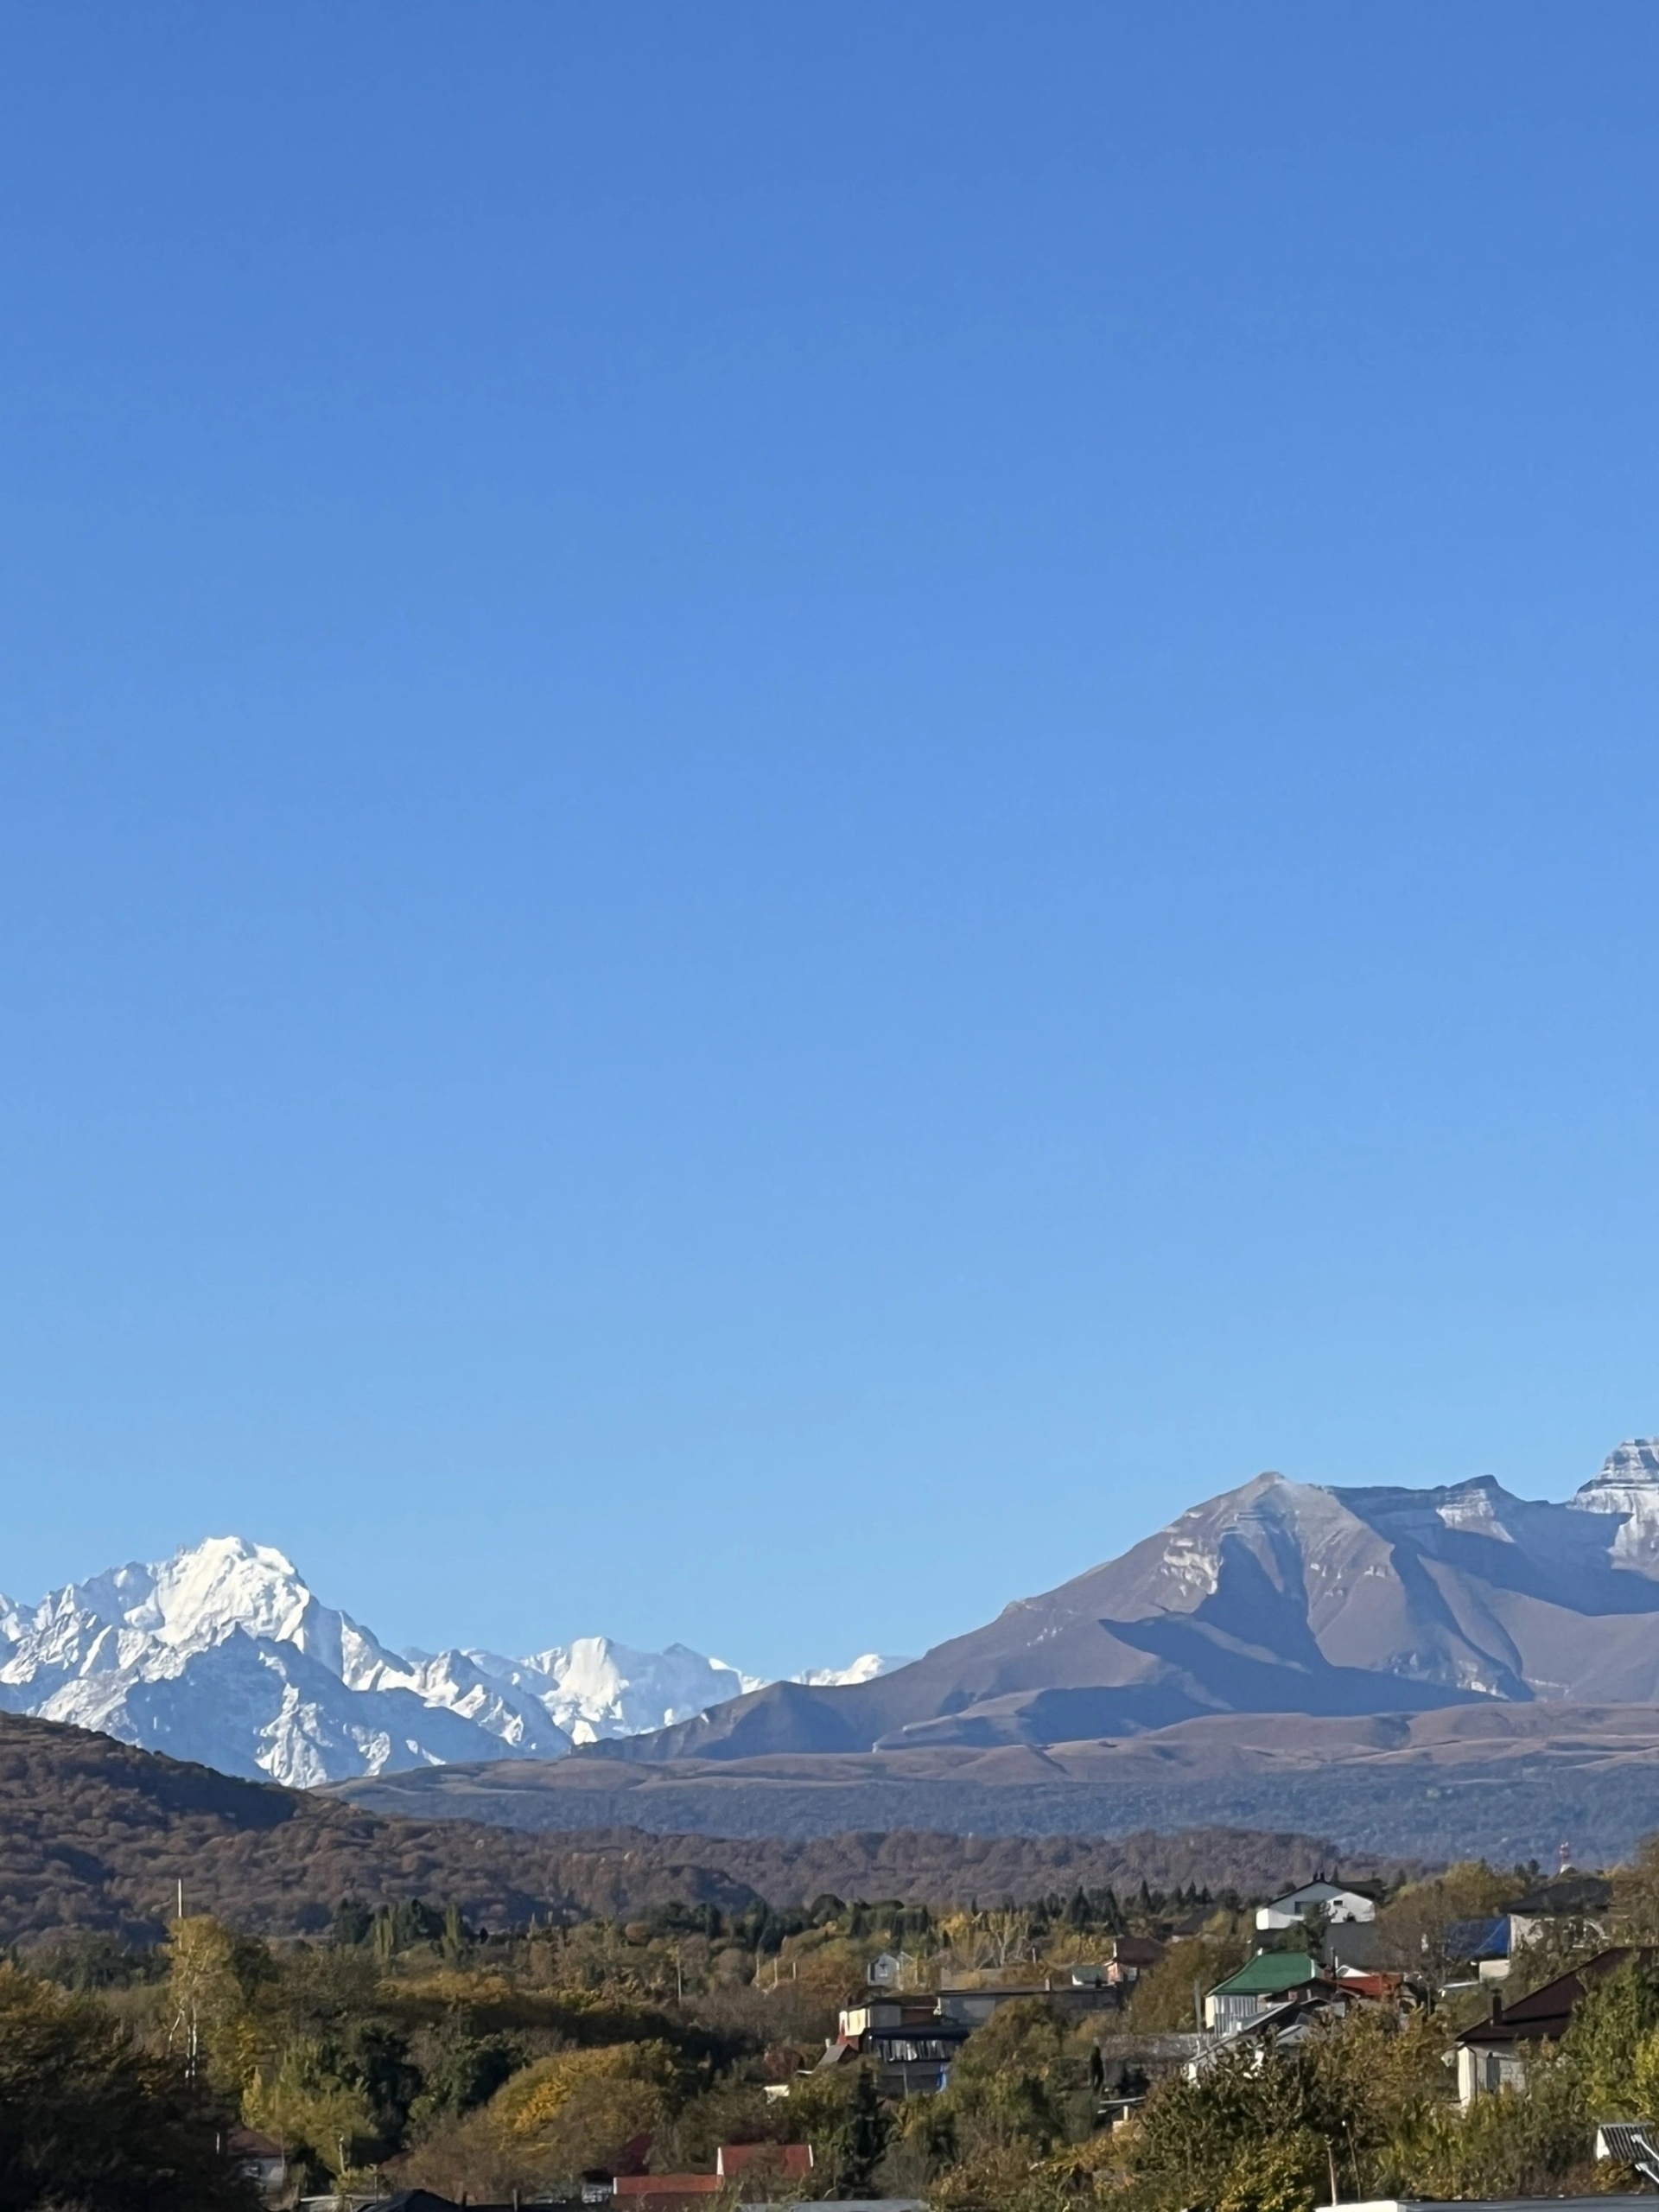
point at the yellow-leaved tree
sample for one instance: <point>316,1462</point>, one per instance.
<point>211,2029</point>
<point>552,2121</point>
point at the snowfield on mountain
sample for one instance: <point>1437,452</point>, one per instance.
<point>224,1654</point>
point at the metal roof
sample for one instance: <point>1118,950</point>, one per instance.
<point>1269,1972</point>
<point>1627,2203</point>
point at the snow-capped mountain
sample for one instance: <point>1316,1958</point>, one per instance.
<point>865,1668</point>
<point>225,1655</point>
<point>595,1687</point>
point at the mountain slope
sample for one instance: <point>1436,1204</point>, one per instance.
<point>1501,1781</point>
<point>1278,1597</point>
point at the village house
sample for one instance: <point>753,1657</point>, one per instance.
<point>1132,1956</point>
<point>911,2037</point>
<point>1073,1990</point>
<point>1483,1946</point>
<point>908,2041</point>
<point>261,2158</point>
<point>1270,1978</point>
<point>1493,2054</point>
<point>1487,1946</point>
<point>1330,1899</point>
<point>1285,2024</point>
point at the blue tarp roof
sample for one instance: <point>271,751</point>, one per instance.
<point>1479,1939</point>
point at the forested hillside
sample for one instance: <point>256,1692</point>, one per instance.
<point>95,1833</point>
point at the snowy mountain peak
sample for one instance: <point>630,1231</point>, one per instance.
<point>206,1590</point>
<point>223,1653</point>
<point>1627,1483</point>
<point>594,1686</point>
<point>204,1593</point>
<point>868,1667</point>
<point>1633,1465</point>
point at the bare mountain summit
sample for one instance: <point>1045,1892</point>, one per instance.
<point>1278,1597</point>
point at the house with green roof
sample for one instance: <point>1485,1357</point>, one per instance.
<point>1271,1979</point>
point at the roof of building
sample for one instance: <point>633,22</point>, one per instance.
<point>911,2204</point>
<point>1478,1939</point>
<point>794,2159</point>
<point>1380,1986</point>
<point>1628,2202</point>
<point>1632,2143</point>
<point>1161,2045</point>
<point>1321,1888</point>
<point>648,2185</point>
<point>1273,2018</point>
<point>1268,1974</point>
<point>1566,1894</point>
<point>249,2143</point>
<point>1542,2015</point>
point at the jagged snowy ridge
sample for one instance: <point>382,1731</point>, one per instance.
<point>223,1654</point>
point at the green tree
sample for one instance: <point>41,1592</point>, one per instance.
<point>88,2120</point>
<point>1532,2142</point>
<point>1008,2084</point>
<point>862,2139</point>
<point>353,1922</point>
<point>1284,2175</point>
<point>1168,1996</point>
<point>840,2115</point>
<point>326,2122</point>
<point>1616,2017</point>
<point>455,1934</point>
<point>1257,2125</point>
<point>1308,1933</point>
<point>465,2071</point>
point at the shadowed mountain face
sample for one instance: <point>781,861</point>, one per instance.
<point>1279,1596</point>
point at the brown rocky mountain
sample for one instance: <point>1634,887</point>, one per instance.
<point>1422,1672</point>
<point>1278,1597</point>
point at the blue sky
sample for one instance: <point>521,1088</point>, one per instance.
<point>799,806</point>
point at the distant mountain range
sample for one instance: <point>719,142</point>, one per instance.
<point>222,1655</point>
<point>1426,1672</point>
<point>1490,1779</point>
<point>1278,1597</point>
<point>1156,1684</point>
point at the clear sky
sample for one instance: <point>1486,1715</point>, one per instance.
<point>800,805</point>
